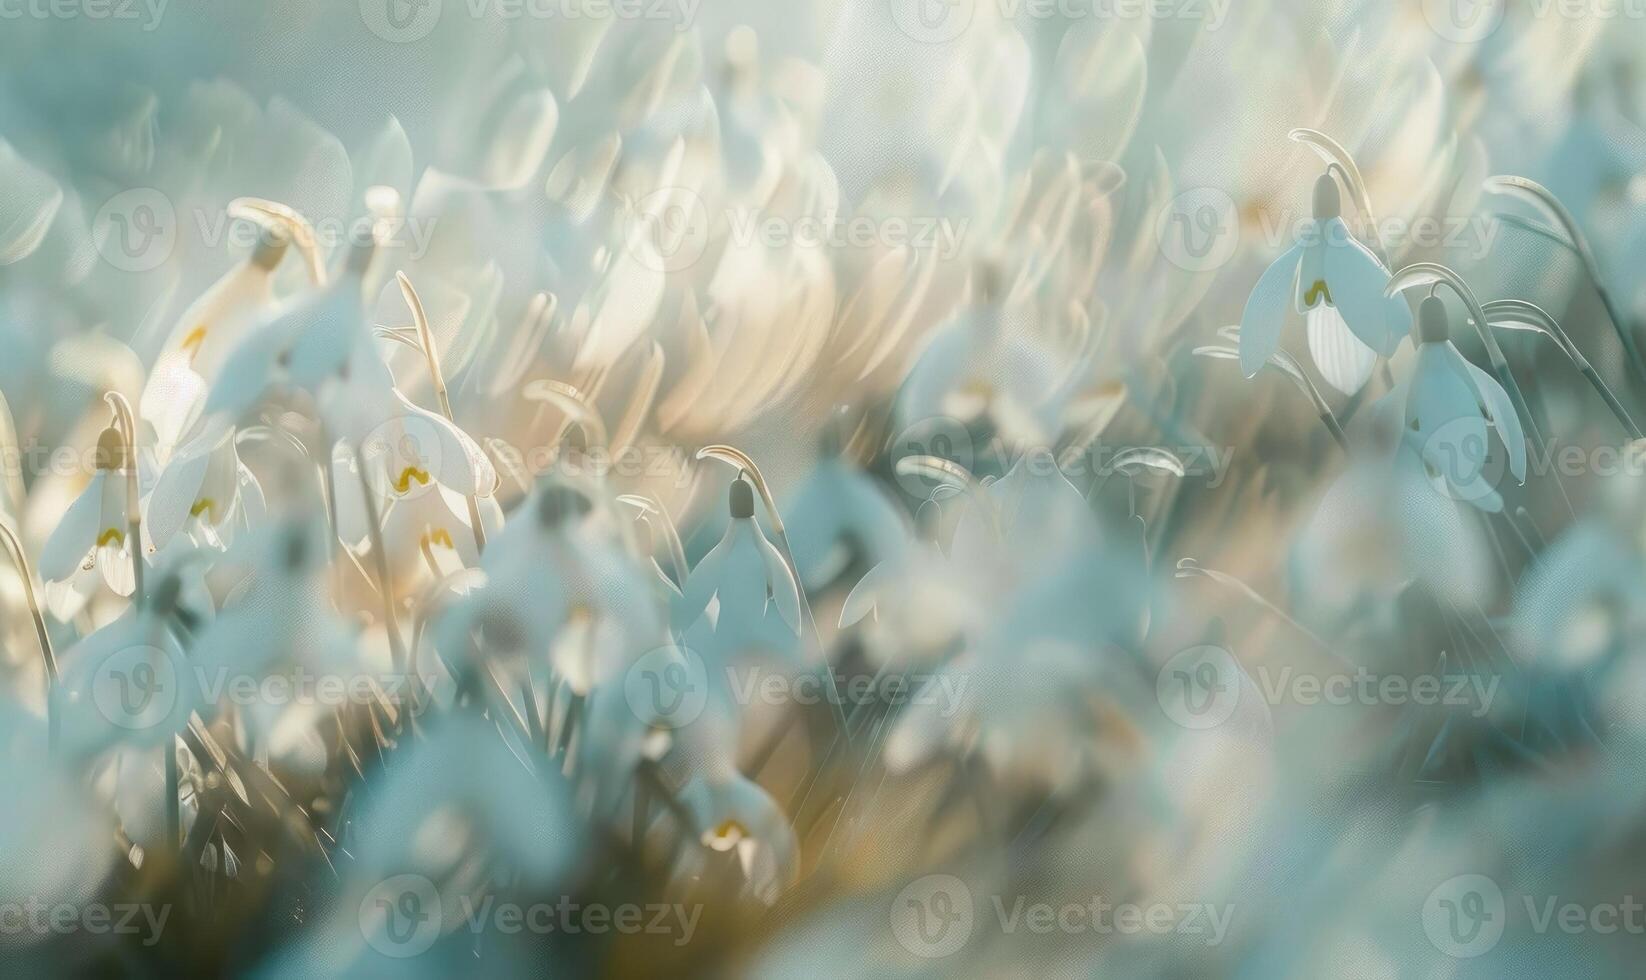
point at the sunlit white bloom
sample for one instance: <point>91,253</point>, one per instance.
<point>93,533</point>
<point>1338,284</point>
<point>201,341</point>
<point>741,597</point>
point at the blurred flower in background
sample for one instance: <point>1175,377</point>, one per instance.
<point>841,487</point>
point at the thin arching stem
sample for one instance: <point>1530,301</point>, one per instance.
<point>26,572</point>
<point>1564,341</point>
<point>425,338</point>
<point>128,465</point>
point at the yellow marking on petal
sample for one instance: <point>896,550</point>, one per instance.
<point>726,836</point>
<point>402,483</point>
<point>192,342</point>
<point>439,536</point>
<point>1316,291</point>
<point>113,534</point>
<point>207,506</point>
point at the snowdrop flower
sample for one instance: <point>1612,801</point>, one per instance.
<point>434,528</point>
<point>733,813</point>
<point>1042,714</point>
<point>129,683</point>
<point>1338,284</point>
<point>1581,599</point>
<point>839,513</point>
<point>1449,406</point>
<point>206,490</point>
<point>93,533</point>
<point>988,363</point>
<point>553,563</point>
<point>460,788</point>
<point>741,598</point>
<point>279,613</point>
<point>201,341</point>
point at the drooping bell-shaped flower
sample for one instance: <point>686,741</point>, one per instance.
<point>201,341</point>
<point>741,597</point>
<point>93,532</point>
<point>838,511</point>
<point>1450,404</point>
<point>129,683</point>
<point>1338,284</point>
<point>204,489</point>
<point>554,563</point>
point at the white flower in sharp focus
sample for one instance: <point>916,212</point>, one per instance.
<point>741,598</point>
<point>1337,283</point>
<point>434,529</point>
<point>203,489</point>
<point>92,535</point>
<point>201,341</point>
<point>1450,404</point>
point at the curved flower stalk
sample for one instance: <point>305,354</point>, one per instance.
<point>1335,156</point>
<point>1450,405</point>
<point>25,573</point>
<point>1282,362</point>
<point>1341,288</point>
<point>1541,198</point>
<point>1517,314</point>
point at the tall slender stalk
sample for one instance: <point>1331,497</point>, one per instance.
<point>128,465</point>
<point>1545,201</point>
<point>25,571</point>
<point>425,337</point>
